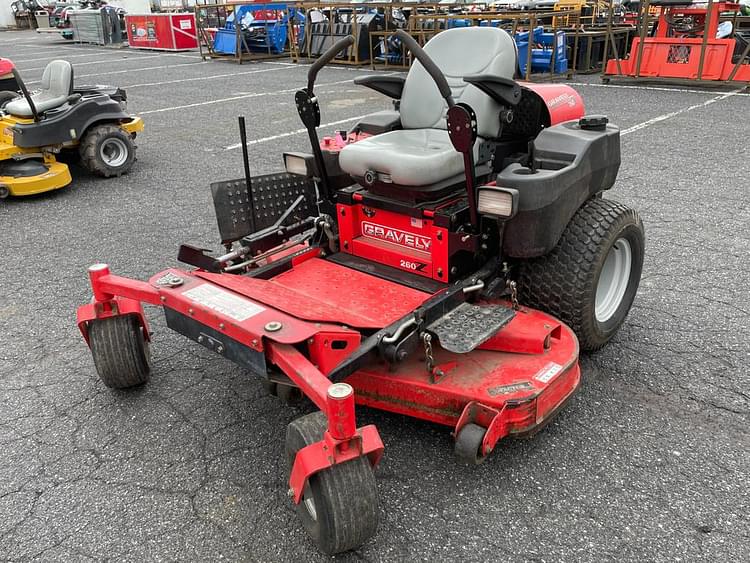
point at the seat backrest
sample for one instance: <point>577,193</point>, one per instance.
<point>57,79</point>
<point>459,52</point>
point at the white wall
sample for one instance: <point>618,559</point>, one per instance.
<point>6,15</point>
<point>131,6</point>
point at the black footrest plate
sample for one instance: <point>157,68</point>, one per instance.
<point>467,326</point>
<point>272,196</point>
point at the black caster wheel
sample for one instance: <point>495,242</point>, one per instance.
<point>268,386</point>
<point>468,447</point>
<point>339,507</point>
<point>288,394</point>
<point>120,351</point>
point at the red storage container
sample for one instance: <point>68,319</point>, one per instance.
<point>168,32</point>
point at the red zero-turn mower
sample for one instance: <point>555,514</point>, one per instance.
<point>396,267</point>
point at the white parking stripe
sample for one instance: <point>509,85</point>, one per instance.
<point>53,56</point>
<point>234,98</point>
<point>124,56</point>
<point>179,80</point>
<point>87,48</point>
<point>10,40</point>
<point>296,132</point>
<point>175,65</point>
<point>654,88</point>
<point>672,114</point>
<point>96,62</point>
<point>334,66</point>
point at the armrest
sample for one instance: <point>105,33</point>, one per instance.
<point>391,86</point>
<point>502,90</point>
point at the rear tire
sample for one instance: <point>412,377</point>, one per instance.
<point>589,280</point>
<point>106,150</point>
<point>339,507</point>
<point>121,353</point>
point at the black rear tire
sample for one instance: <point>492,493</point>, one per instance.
<point>121,353</point>
<point>339,508</point>
<point>564,282</point>
<point>106,150</point>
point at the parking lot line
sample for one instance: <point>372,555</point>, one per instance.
<point>9,40</point>
<point>175,65</point>
<point>295,132</point>
<point>233,98</point>
<point>89,48</point>
<point>52,56</point>
<point>195,78</point>
<point>672,114</point>
<point>334,66</point>
<point>654,88</point>
<point>129,70</point>
<point>100,61</point>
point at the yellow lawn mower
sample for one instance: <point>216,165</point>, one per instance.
<point>58,117</point>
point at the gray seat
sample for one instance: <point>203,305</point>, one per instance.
<point>421,153</point>
<point>57,86</point>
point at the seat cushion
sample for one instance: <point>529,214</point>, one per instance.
<point>57,85</point>
<point>42,102</point>
<point>411,157</point>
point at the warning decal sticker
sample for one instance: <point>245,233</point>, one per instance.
<point>549,371</point>
<point>224,302</point>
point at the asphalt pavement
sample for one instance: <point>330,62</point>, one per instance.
<point>649,462</point>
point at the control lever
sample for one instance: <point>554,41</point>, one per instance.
<point>25,92</point>
<point>326,58</point>
<point>462,122</point>
<point>309,112</point>
<point>462,131</point>
<point>429,65</point>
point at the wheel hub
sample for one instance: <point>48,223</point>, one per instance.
<point>309,503</point>
<point>113,152</point>
<point>613,280</point>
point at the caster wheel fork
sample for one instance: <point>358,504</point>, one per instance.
<point>339,505</point>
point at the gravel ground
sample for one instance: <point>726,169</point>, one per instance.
<point>649,461</point>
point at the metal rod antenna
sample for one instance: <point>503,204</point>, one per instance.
<point>248,179</point>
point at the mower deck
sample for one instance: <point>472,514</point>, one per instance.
<point>56,176</point>
<point>513,382</point>
<point>524,389</point>
<point>322,291</point>
<point>513,369</point>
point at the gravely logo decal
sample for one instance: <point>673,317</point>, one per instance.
<point>562,99</point>
<point>402,238</point>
